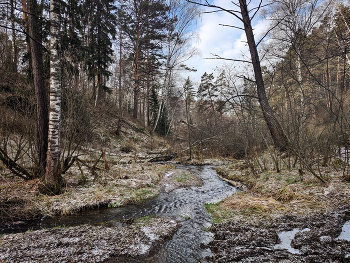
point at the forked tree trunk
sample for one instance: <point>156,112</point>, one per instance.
<point>53,177</point>
<point>278,136</point>
<point>39,83</point>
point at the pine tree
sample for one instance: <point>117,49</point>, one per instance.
<point>36,53</point>
<point>143,22</point>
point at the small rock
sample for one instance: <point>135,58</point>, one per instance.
<point>326,239</point>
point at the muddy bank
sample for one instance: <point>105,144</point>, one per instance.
<point>87,243</point>
<point>315,239</point>
<point>115,242</point>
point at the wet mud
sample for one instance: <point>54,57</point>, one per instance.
<point>315,238</point>
<point>87,243</point>
<point>177,238</point>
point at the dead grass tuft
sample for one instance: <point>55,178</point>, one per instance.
<point>270,194</point>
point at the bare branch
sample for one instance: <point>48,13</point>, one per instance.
<point>257,10</point>
<point>230,59</point>
<point>272,28</point>
<point>23,32</point>
<point>232,12</point>
<point>232,26</point>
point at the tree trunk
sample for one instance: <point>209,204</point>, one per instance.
<point>14,47</point>
<point>136,87</point>
<point>188,126</point>
<point>301,88</point>
<point>278,136</point>
<point>158,115</point>
<point>53,177</point>
<point>39,84</point>
<point>120,72</point>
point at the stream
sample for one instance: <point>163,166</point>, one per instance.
<point>186,204</point>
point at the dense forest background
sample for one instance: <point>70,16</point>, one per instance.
<point>127,59</point>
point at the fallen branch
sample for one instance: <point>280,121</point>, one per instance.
<point>14,167</point>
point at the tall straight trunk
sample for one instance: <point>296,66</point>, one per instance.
<point>188,126</point>
<point>136,87</point>
<point>120,72</point>
<point>277,134</point>
<point>147,121</point>
<point>301,88</point>
<point>14,47</point>
<point>160,108</point>
<point>24,8</point>
<point>144,108</point>
<point>147,103</point>
<point>39,84</point>
<point>53,177</point>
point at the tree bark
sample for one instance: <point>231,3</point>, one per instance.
<point>278,136</point>
<point>136,73</point>
<point>14,47</point>
<point>53,177</point>
<point>39,84</point>
<point>120,72</point>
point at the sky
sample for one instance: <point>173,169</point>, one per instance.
<point>227,42</point>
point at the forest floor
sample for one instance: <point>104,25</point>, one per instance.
<point>246,225</point>
<point>250,225</point>
<point>120,185</point>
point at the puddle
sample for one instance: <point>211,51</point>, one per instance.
<point>286,238</point>
<point>345,233</point>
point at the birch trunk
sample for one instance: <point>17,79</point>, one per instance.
<point>53,177</point>
<point>301,88</point>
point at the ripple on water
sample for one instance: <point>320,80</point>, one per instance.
<point>184,203</point>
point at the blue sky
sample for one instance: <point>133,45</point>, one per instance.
<point>226,42</point>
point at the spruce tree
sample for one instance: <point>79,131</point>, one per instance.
<point>101,20</point>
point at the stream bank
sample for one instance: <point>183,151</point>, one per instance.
<point>87,243</point>
<point>285,216</point>
<point>131,233</point>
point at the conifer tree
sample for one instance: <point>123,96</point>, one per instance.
<point>207,92</point>
<point>100,18</point>
<point>143,23</point>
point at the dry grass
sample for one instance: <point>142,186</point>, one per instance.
<point>122,184</point>
<point>271,194</point>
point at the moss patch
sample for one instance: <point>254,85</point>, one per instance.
<point>183,177</point>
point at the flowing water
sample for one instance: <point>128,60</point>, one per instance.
<point>186,204</point>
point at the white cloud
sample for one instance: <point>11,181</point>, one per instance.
<point>226,42</point>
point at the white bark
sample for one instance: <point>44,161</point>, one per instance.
<point>301,88</point>
<point>54,150</point>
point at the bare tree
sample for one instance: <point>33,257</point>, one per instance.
<point>178,44</point>
<point>276,131</point>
